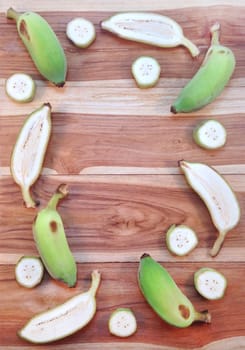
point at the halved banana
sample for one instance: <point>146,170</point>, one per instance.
<point>218,196</point>
<point>149,28</point>
<point>29,151</point>
<point>64,319</point>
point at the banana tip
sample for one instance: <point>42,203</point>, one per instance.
<point>145,255</point>
<point>173,110</point>
<point>48,105</point>
<point>61,84</point>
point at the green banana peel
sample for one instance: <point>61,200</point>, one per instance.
<point>211,78</point>
<point>51,241</point>
<point>42,44</point>
<point>165,297</point>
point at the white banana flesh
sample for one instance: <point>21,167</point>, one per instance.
<point>81,32</point>
<point>210,283</point>
<point>29,151</point>
<point>149,28</point>
<point>218,196</point>
<point>146,71</point>
<point>181,239</point>
<point>20,87</point>
<point>65,319</point>
<point>122,322</point>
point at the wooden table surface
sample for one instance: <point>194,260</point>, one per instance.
<point>117,147</point>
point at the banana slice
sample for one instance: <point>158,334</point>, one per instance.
<point>210,283</point>
<point>29,151</point>
<point>29,271</point>
<point>181,240</point>
<point>81,32</point>
<point>146,71</point>
<point>20,87</point>
<point>149,28</point>
<point>122,323</point>
<point>210,134</point>
<point>218,196</point>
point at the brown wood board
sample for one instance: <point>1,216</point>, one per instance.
<point>117,147</point>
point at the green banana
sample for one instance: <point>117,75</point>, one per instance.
<point>51,242</point>
<point>165,297</point>
<point>42,45</point>
<point>211,78</point>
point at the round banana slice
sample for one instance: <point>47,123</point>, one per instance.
<point>210,283</point>
<point>20,87</point>
<point>122,322</point>
<point>210,134</point>
<point>146,71</point>
<point>29,271</point>
<point>181,239</point>
<point>81,32</point>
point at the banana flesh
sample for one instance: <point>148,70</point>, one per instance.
<point>42,45</point>
<point>51,241</point>
<point>65,319</point>
<point>218,196</point>
<point>165,297</point>
<point>211,78</point>
<point>149,28</point>
<point>29,151</point>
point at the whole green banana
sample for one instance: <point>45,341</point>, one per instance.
<point>165,297</point>
<point>51,242</point>
<point>211,78</point>
<point>42,45</point>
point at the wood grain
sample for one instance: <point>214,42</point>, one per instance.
<point>117,147</point>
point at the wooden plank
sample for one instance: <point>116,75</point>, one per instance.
<point>100,209</point>
<point>110,5</point>
<point>125,141</point>
<point>121,281</point>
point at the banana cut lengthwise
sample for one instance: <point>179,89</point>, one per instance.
<point>51,241</point>
<point>149,28</point>
<point>29,151</point>
<point>42,44</point>
<point>65,319</point>
<point>164,296</point>
<point>211,78</point>
<point>218,196</point>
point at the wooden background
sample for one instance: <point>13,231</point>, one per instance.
<point>117,147</point>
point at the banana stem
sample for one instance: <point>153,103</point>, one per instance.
<point>190,46</point>
<point>96,276</point>
<point>215,33</point>
<point>217,244</point>
<point>29,202</point>
<point>12,14</point>
<point>203,316</point>
<point>60,193</point>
